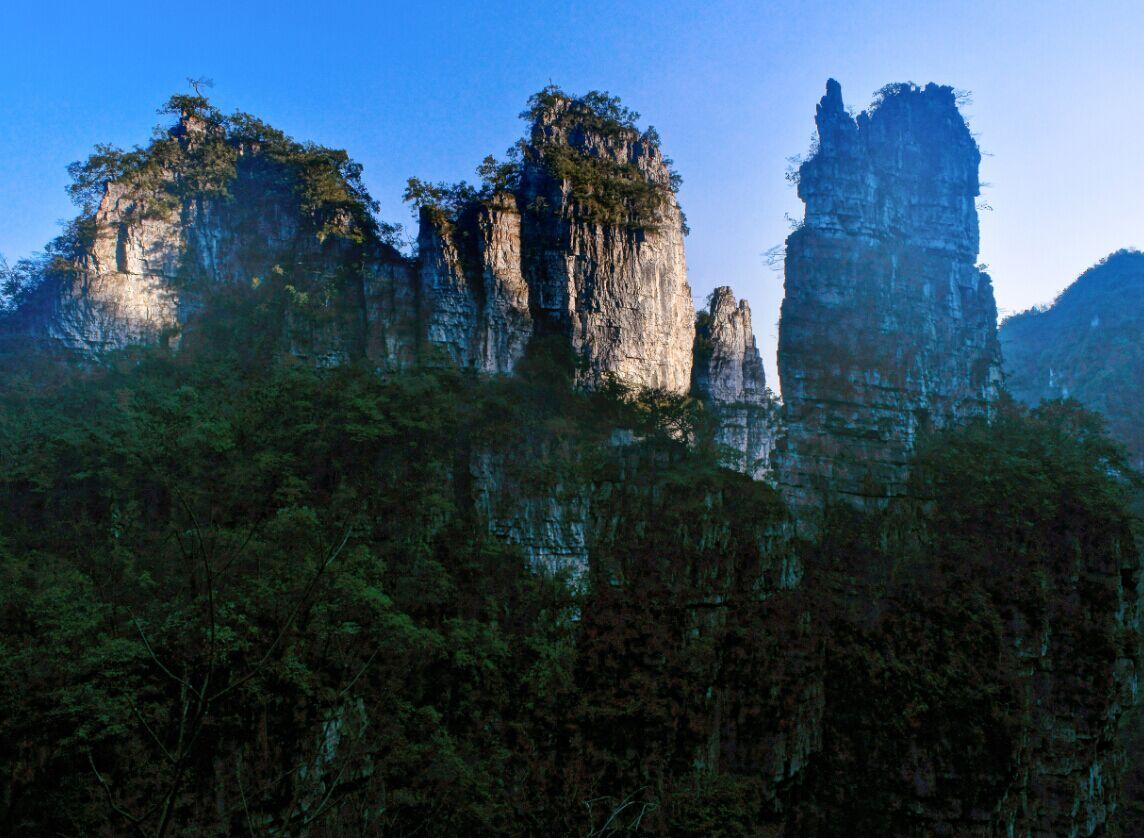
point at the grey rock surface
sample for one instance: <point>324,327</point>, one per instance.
<point>888,327</point>
<point>729,375</point>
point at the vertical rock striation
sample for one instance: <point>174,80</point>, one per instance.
<point>551,523</point>
<point>474,298</point>
<point>603,248</point>
<point>729,375</point>
<point>887,328</point>
<point>586,243</point>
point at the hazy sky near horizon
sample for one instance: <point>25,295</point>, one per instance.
<point>429,89</point>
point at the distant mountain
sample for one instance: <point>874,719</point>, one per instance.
<point>1087,345</point>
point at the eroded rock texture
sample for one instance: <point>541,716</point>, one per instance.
<point>585,242</point>
<point>729,376</point>
<point>614,281</point>
<point>121,291</point>
<point>207,216</point>
<point>474,298</point>
<point>888,328</point>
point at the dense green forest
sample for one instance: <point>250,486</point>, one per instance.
<point>244,596</point>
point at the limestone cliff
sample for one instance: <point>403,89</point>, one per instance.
<point>585,240</point>
<point>887,328</point>
<point>218,209</point>
<point>603,247</point>
<point>581,242</point>
<point>729,376</point>
<point>119,289</point>
<point>550,522</point>
<point>474,298</point>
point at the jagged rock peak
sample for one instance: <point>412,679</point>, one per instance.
<point>734,370</point>
<point>729,374</point>
<point>909,166</point>
<point>603,241</point>
<point>831,117</point>
<point>887,326</point>
<point>217,202</point>
<point>579,235</point>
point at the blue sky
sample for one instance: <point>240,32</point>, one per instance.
<point>429,89</point>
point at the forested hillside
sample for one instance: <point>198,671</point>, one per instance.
<point>1089,345</point>
<point>241,598</point>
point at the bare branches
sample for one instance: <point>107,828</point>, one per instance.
<point>119,810</point>
<point>615,813</point>
<point>155,658</point>
<point>199,84</point>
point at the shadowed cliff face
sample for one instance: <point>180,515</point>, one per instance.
<point>887,326</point>
<point>474,300</point>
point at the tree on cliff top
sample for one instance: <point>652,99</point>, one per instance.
<point>596,110</point>
<point>202,155</point>
<point>606,188</point>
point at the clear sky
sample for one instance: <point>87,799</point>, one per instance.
<point>430,88</point>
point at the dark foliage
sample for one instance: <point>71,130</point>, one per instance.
<point>239,598</point>
<point>242,597</point>
<point>937,618</point>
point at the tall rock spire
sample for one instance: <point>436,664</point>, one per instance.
<point>887,325</point>
<point>729,375</point>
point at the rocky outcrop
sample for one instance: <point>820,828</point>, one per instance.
<point>729,376</point>
<point>586,242</point>
<point>474,298</point>
<point>887,328</point>
<point>121,289</point>
<point>549,523</point>
<point>204,216</point>
<point>1087,346</point>
<point>603,248</point>
<point>392,324</point>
